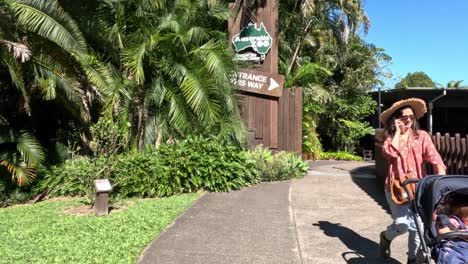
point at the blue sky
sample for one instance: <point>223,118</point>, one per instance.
<point>421,35</point>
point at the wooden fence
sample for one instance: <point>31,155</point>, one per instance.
<point>453,150</point>
<point>290,120</point>
<point>275,123</point>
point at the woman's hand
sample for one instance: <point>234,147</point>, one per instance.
<point>439,169</point>
<point>398,126</point>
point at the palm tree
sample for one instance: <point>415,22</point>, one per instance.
<point>319,44</point>
<point>52,61</point>
<point>176,68</point>
<point>317,25</point>
<point>454,84</point>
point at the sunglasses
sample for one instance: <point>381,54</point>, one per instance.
<point>406,117</point>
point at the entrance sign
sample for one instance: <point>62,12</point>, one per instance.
<point>254,38</point>
<point>259,82</point>
<point>249,39</point>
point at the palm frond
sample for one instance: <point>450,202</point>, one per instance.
<point>220,12</point>
<point>30,149</point>
<point>97,73</point>
<point>19,172</point>
<point>170,23</point>
<point>133,60</point>
<point>19,50</point>
<point>54,76</point>
<point>307,8</point>
<point>22,160</point>
<point>156,4</point>
<point>178,114</point>
<point>309,72</point>
<point>155,95</point>
<point>50,21</point>
<point>196,35</point>
<point>198,98</point>
<point>56,84</point>
<point>15,71</point>
<point>208,55</point>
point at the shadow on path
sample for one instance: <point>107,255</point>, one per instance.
<point>370,185</point>
<point>362,250</point>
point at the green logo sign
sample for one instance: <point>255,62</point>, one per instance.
<point>252,37</point>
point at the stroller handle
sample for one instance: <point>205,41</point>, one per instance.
<point>409,181</point>
<point>451,235</point>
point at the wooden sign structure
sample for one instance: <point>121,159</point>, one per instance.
<point>273,118</point>
<point>259,82</point>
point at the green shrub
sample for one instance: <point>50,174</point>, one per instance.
<point>205,163</point>
<point>135,174</point>
<point>339,156</point>
<point>72,178</point>
<point>186,166</point>
<point>278,167</point>
<point>11,194</point>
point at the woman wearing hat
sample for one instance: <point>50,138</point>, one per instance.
<point>405,148</point>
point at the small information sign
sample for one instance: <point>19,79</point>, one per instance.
<point>102,185</point>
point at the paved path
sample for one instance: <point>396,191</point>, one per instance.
<point>333,215</point>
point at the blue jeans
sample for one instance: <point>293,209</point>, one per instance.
<point>403,222</point>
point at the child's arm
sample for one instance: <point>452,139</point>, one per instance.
<point>443,230</point>
<point>442,224</point>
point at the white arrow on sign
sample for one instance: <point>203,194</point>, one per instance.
<point>273,84</point>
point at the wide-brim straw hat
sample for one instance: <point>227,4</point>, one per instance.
<point>418,106</point>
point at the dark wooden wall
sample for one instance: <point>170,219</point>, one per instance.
<point>290,120</point>
<point>286,133</point>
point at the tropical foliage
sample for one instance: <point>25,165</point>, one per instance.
<point>109,78</point>
<point>277,167</point>
<point>455,84</point>
<point>416,79</point>
<point>49,79</point>
<point>20,155</point>
<point>321,50</point>
<point>174,68</point>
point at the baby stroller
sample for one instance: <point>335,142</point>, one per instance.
<point>430,191</point>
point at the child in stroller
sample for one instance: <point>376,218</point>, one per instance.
<point>439,201</point>
<point>453,216</point>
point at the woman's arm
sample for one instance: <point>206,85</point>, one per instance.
<point>388,150</point>
<point>431,155</point>
<point>439,169</point>
<point>396,140</point>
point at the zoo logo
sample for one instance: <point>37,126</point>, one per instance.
<point>252,37</point>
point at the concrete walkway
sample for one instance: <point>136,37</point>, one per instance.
<point>333,215</point>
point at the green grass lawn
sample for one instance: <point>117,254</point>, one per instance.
<point>53,232</point>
